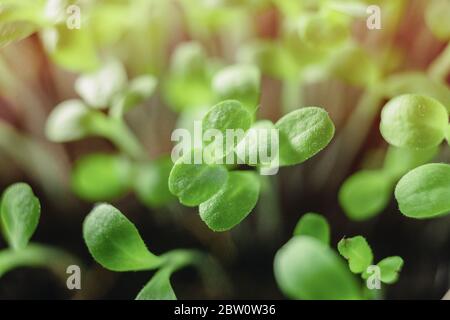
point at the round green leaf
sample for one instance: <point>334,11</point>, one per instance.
<point>114,242</point>
<point>20,211</point>
<point>226,117</point>
<point>68,121</point>
<point>195,183</point>
<point>98,88</point>
<point>414,121</point>
<point>305,268</point>
<point>365,194</point>
<point>315,226</point>
<point>150,182</point>
<point>358,253</point>
<point>303,133</point>
<point>233,202</point>
<point>399,161</point>
<point>425,191</point>
<point>101,177</point>
<point>238,82</point>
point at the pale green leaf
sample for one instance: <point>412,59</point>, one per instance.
<point>390,268</point>
<point>414,121</point>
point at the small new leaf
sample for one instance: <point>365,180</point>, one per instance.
<point>115,243</point>
<point>390,268</point>
<point>358,253</point>
<point>20,211</point>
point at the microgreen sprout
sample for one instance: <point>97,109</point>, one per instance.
<point>19,216</point>
<point>115,243</point>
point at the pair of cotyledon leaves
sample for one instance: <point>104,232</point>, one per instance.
<point>419,122</point>
<point>226,198</point>
<point>415,125</point>
<point>307,268</point>
<point>115,243</point>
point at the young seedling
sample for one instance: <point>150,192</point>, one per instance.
<point>115,243</point>
<point>19,216</point>
<point>360,257</point>
<point>226,198</point>
<point>307,268</point>
<point>104,177</point>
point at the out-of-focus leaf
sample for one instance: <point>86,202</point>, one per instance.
<point>101,177</point>
<point>313,225</point>
<point>305,268</point>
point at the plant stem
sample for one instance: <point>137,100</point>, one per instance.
<point>440,67</point>
<point>118,132</point>
<point>37,255</point>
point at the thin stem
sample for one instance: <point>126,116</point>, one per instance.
<point>440,67</point>
<point>36,255</point>
<point>118,132</point>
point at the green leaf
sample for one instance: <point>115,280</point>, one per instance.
<point>195,183</point>
<point>436,17</point>
<point>115,243</point>
<point>399,161</point>
<point>355,66</point>
<point>365,194</point>
<point>303,133</point>
<point>390,267</point>
<point>324,30</point>
<point>238,82</point>
<point>414,121</point>
<point>425,191</point>
<point>305,268</point>
<point>233,202</point>
<point>99,87</point>
<point>315,226</point>
<point>224,118</point>
<point>15,31</point>
<point>72,49</point>
<point>258,147</point>
<point>417,83</point>
<point>159,287</point>
<point>68,121</point>
<point>358,253</point>
<point>20,211</point>
<point>138,90</point>
<point>101,177</point>
<point>150,182</point>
